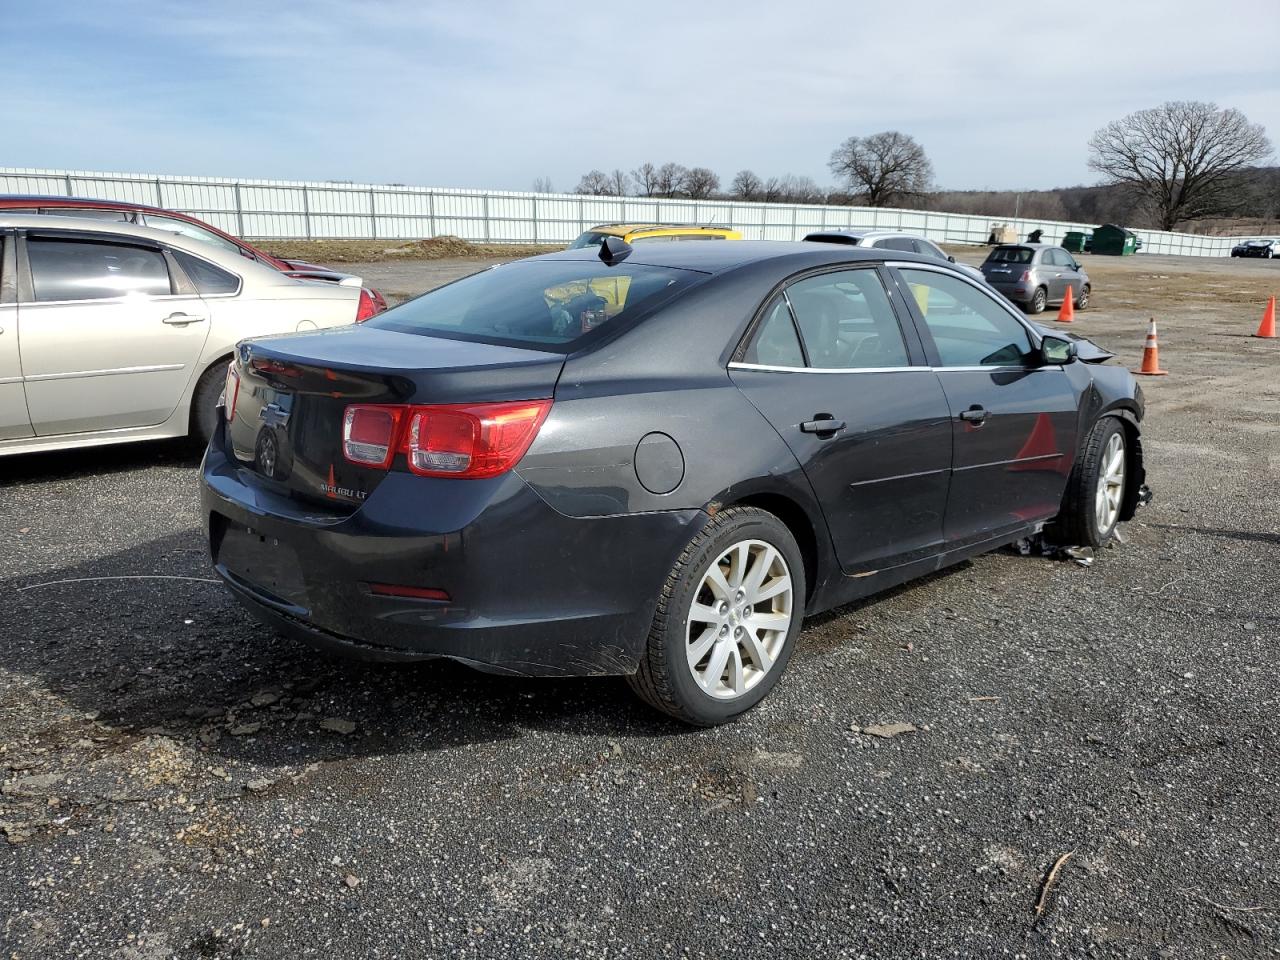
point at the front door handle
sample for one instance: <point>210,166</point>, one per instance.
<point>823,423</point>
<point>974,414</point>
<point>182,319</point>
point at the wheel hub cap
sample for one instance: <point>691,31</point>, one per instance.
<point>1110,493</point>
<point>739,619</point>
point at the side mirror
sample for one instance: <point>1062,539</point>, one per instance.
<point>1055,350</point>
<point>951,259</point>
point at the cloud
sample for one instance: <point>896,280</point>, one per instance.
<point>496,94</point>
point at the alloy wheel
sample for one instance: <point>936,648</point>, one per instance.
<point>1110,485</point>
<point>739,619</point>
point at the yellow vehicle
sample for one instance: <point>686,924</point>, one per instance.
<point>639,232</point>
<point>613,290</point>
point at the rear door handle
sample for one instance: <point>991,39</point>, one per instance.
<point>182,319</point>
<point>974,414</point>
<point>822,424</point>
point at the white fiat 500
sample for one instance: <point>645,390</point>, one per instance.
<point>111,332</point>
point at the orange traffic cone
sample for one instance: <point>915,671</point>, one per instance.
<point>1040,447</point>
<point>1268,326</point>
<point>1151,354</point>
<point>1067,312</point>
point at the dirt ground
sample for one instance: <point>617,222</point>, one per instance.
<point>177,782</point>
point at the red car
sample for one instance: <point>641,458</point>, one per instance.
<point>175,222</point>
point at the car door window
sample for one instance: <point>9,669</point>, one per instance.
<point>776,343</point>
<point>969,328</point>
<point>209,280</point>
<point>182,228</point>
<point>89,270</point>
<point>896,243</point>
<point>846,321</point>
<point>928,249</point>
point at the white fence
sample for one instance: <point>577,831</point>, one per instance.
<point>286,209</point>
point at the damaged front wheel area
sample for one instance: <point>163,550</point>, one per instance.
<point>1100,491</point>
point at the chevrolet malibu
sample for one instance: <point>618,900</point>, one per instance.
<point>520,473</point>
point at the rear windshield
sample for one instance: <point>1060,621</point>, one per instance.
<point>548,304</point>
<point>833,238</point>
<point>1011,255</point>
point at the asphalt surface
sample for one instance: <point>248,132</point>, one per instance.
<point>178,782</point>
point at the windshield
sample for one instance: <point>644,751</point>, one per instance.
<point>1011,255</point>
<point>547,304</point>
<point>588,239</point>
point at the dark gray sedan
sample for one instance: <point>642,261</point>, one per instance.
<point>654,462</point>
<point>1037,275</point>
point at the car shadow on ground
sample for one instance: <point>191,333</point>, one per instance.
<point>124,641</point>
<point>90,461</point>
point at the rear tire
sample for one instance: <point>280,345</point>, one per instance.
<point>727,619</point>
<point>204,402</point>
<point>1039,300</point>
<point>1095,491</point>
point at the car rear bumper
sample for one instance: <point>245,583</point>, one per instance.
<point>531,591</point>
<point>1017,292</point>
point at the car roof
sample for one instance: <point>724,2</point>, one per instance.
<point>229,260</point>
<point>24,199</point>
<point>716,258</point>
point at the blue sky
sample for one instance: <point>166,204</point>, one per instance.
<point>494,94</point>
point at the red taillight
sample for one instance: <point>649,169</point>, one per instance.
<point>368,306</point>
<point>476,440</point>
<point>369,434</point>
<point>416,593</point>
<point>1026,275</point>
<point>470,441</point>
<point>231,391</point>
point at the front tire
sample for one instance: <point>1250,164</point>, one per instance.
<point>1082,301</point>
<point>1095,491</point>
<point>727,620</point>
<point>1039,300</point>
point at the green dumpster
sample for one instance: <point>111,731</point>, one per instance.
<point>1114,241</point>
<point>1074,241</point>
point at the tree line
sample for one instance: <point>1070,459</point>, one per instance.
<point>1181,162</point>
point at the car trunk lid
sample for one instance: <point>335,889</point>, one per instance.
<point>293,392</point>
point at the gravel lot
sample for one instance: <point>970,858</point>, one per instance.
<point>177,782</point>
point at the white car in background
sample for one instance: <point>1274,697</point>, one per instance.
<point>112,332</point>
<point>891,240</point>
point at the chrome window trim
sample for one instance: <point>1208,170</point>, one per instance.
<point>742,365</point>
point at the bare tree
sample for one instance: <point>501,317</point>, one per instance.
<point>771,190</point>
<point>646,179</point>
<point>699,183</point>
<point>670,178</point>
<point>595,183</point>
<point>794,189</point>
<point>746,185</point>
<point>543,185</point>
<point>619,183</point>
<point>885,167</point>
<point>1182,156</point>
